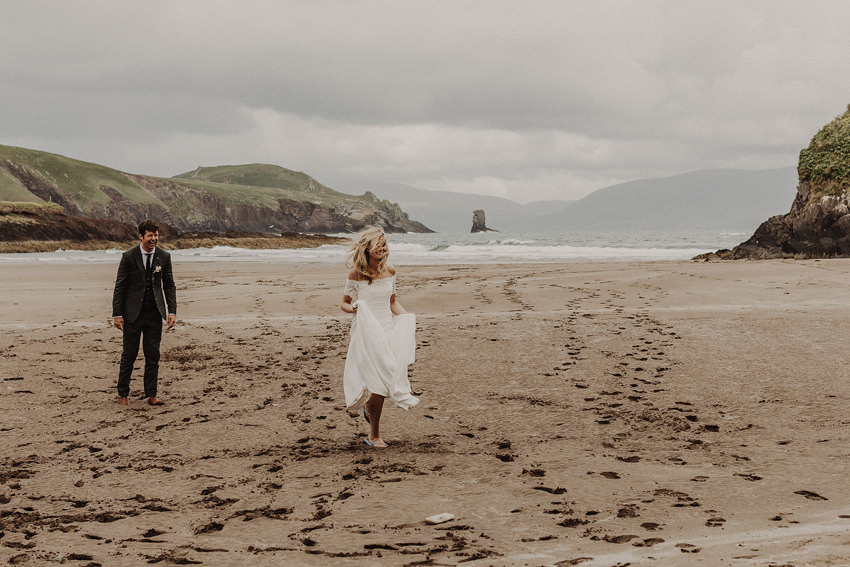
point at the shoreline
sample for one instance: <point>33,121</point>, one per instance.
<point>586,412</point>
<point>454,248</point>
<point>330,255</point>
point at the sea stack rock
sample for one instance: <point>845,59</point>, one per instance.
<point>478,224</point>
<point>818,224</point>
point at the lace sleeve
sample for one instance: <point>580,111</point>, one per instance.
<point>350,289</point>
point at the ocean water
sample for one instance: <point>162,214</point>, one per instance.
<point>457,248</point>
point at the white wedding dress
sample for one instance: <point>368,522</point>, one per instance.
<point>381,346</point>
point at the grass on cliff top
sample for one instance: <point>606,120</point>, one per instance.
<point>257,175</point>
<point>21,213</point>
<point>30,208</point>
<point>80,179</point>
<point>262,185</point>
<point>825,164</point>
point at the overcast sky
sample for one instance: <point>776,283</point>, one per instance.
<point>525,100</point>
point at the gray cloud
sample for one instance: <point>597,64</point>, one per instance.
<point>527,100</point>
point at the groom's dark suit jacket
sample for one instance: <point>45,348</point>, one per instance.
<point>130,285</point>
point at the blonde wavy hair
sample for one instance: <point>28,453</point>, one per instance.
<point>358,256</point>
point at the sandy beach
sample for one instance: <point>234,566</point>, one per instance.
<point>593,414</point>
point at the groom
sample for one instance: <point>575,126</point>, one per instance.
<point>138,308</point>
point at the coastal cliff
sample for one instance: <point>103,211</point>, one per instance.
<point>818,224</point>
<point>45,227</point>
<point>256,197</point>
<point>48,222</point>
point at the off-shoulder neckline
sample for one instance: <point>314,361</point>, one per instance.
<point>374,279</point>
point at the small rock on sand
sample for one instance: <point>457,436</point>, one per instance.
<point>439,518</point>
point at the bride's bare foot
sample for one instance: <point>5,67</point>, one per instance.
<point>375,442</point>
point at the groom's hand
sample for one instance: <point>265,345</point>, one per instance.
<point>118,322</point>
<point>172,318</point>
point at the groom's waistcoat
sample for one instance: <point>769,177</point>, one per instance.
<point>148,301</point>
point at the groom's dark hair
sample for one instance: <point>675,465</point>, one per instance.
<point>147,226</point>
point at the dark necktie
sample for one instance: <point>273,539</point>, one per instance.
<point>148,261</point>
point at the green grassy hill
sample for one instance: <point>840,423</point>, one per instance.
<point>255,197</point>
<point>262,184</point>
<point>13,190</point>
<point>257,175</point>
<point>82,181</point>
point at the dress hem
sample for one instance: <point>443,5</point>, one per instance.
<point>405,403</point>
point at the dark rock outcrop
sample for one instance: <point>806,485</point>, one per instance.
<point>478,222</point>
<point>45,222</point>
<point>41,227</point>
<point>818,224</point>
<point>255,240</point>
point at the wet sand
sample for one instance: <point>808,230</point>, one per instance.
<point>596,414</point>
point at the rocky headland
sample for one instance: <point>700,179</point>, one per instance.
<point>255,197</point>
<point>818,224</point>
<point>45,227</point>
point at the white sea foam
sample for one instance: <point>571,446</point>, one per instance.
<point>442,248</point>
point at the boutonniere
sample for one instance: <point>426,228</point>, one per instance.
<point>157,269</point>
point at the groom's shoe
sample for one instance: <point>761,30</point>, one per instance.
<point>123,400</point>
<point>155,402</point>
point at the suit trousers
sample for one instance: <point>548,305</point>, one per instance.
<point>148,328</point>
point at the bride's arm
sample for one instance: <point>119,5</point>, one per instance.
<point>350,287</point>
<point>346,305</point>
<point>396,307</point>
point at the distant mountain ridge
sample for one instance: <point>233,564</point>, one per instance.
<point>715,199</point>
<point>256,197</point>
<point>702,200</point>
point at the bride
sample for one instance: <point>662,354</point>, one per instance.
<point>382,340</point>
